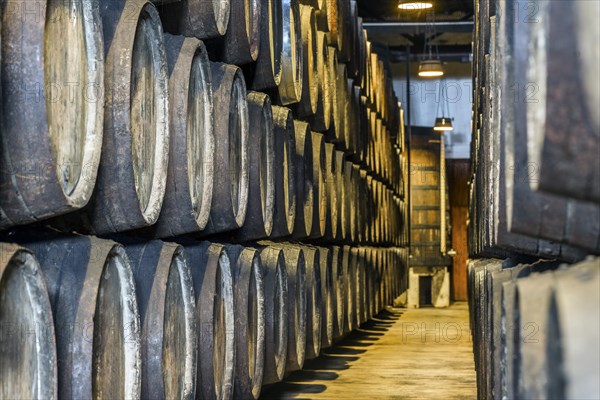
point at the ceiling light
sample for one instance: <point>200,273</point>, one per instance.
<point>415,5</point>
<point>431,68</point>
<point>443,124</point>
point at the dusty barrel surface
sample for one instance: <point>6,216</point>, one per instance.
<point>295,264</point>
<point>276,313</point>
<point>290,87</point>
<point>249,295</point>
<point>331,216</point>
<point>561,59</point>
<point>314,302</point>
<point>28,353</point>
<point>342,196</point>
<point>285,173</point>
<point>135,150</point>
<point>166,302</point>
<point>320,201</point>
<point>331,71</point>
<point>310,72</point>
<point>261,152</point>
<point>49,160</point>
<point>92,291</point>
<point>242,39</point>
<point>213,288</point>
<point>574,320</point>
<point>348,268</point>
<point>188,196</point>
<point>324,258</point>
<point>230,196</point>
<point>267,74</point>
<point>339,291</point>
<point>203,19</point>
<point>304,181</point>
<point>321,119</point>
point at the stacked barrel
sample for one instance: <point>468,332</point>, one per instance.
<point>195,196</point>
<point>535,204</point>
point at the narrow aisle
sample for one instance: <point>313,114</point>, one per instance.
<point>403,354</point>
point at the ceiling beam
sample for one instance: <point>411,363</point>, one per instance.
<point>419,27</point>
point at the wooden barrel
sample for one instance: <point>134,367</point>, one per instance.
<point>276,313</point>
<point>249,299</point>
<point>322,118</point>
<point>560,58</point>
<point>350,189</point>
<point>267,73</point>
<point>352,48</point>
<point>359,284</point>
<point>166,301</point>
<point>320,201</point>
<point>574,326</point>
<point>310,67</point>
<point>314,302</point>
<point>339,292</point>
<point>348,268</point>
<point>290,86</point>
<point>213,288</point>
<point>204,19</point>
<point>331,216</point>
<point>331,70</point>
<point>295,264</point>
<point>285,173</point>
<point>230,196</point>
<point>342,196</point>
<point>261,170</point>
<point>135,150</point>
<point>188,196</point>
<point>304,181</point>
<point>324,256</point>
<point>342,134</point>
<point>92,291</point>
<point>242,39</point>
<point>27,343</point>
<point>65,86</point>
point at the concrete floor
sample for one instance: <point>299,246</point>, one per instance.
<point>421,353</point>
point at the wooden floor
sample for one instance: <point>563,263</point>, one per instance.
<point>404,354</point>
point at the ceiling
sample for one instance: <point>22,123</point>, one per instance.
<point>394,29</point>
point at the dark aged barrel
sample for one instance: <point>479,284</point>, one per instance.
<point>314,302</point>
<point>242,39</point>
<point>204,19</point>
<point>348,268</point>
<point>320,190</point>
<point>230,195</point>
<point>276,313</point>
<point>339,291</point>
<point>49,160</point>
<point>320,121</point>
<point>310,69</point>
<point>165,295</point>
<point>186,206</point>
<point>304,181</point>
<point>341,129</point>
<point>331,216</point>
<point>341,204</point>
<point>290,87</point>
<point>295,264</point>
<point>133,169</point>
<point>562,61</point>
<point>92,291</point>
<point>324,258</point>
<point>331,70</point>
<point>261,150</point>
<point>267,74</point>
<point>285,173</point>
<point>213,288</point>
<point>27,343</point>
<point>351,190</point>
<point>249,296</point>
<point>574,320</point>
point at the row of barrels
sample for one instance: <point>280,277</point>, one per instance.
<point>535,176</point>
<point>84,317</point>
<point>151,149</point>
<point>536,328</point>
